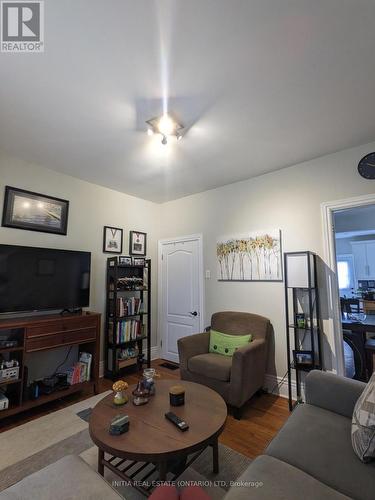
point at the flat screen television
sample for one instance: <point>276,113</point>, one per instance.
<point>38,279</point>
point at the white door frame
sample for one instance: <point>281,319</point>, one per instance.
<point>334,329</point>
<point>179,239</point>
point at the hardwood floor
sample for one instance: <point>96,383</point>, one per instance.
<point>262,417</point>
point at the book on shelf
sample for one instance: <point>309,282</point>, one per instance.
<point>81,370</point>
<point>124,330</point>
<point>86,359</point>
<point>129,307</point>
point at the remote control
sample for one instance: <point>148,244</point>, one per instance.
<point>177,421</point>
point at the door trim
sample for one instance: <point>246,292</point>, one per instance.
<point>179,239</point>
<point>334,329</point>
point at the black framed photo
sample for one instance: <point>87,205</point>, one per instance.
<point>127,261</point>
<point>138,261</point>
<point>34,211</point>
<point>303,359</point>
<point>137,243</point>
<point>112,239</point>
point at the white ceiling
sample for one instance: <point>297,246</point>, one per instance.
<point>355,221</point>
<point>261,84</point>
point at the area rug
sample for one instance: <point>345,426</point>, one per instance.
<point>43,441</point>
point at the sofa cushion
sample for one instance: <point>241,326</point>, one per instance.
<point>68,478</point>
<point>318,442</point>
<point>363,423</point>
<point>222,388</point>
<point>211,365</point>
<point>268,478</point>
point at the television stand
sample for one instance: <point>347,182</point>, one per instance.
<point>43,333</point>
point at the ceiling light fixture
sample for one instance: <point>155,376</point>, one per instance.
<point>166,126</point>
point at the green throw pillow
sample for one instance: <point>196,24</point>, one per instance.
<point>221,343</point>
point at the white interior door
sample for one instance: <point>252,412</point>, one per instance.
<point>181,293</point>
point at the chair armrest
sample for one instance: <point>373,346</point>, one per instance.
<point>333,393</point>
<point>244,357</point>
<point>192,346</point>
<point>248,371</point>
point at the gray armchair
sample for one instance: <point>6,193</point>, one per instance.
<point>236,378</point>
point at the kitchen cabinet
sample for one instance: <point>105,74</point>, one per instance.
<point>364,259</point>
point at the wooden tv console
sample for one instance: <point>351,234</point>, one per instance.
<point>41,333</point>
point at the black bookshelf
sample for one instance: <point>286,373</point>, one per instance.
<point>126,334</point>
<point>303,334</point>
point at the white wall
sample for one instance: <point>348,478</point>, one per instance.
<point>289,199</point>
<point>91,208</point>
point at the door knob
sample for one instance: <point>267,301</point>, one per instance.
<point>194,313</point>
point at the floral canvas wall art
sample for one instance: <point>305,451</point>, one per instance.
<point>255,256</point>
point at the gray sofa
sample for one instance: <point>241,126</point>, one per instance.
<point>67,479</point>
<point>311,458</point>
<point>312,455</point>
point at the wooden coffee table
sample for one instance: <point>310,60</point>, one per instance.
<point>152,439</point>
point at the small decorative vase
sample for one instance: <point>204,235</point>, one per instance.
<point>120,398</point>
<point>140,394</point>
<point>148,380</point>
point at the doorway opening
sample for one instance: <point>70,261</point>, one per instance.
<point>354,238</point>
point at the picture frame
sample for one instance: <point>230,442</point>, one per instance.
<point>303,359</point>
<point>138,261</point>
<point>137,243</point>
<point>112,239</point>
<point>251,256</point>
<point>33,211</point>
<point>125,260</point>
<point>301,321</point>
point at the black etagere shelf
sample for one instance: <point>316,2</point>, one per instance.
<point>303,320</point>
<point>128,287</point>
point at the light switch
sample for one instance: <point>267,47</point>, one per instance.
<point>208,274</point>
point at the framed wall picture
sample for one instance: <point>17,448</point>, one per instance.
<point>137,243</point>
<point>253,256</point>
<point>34,211</point>
<point>112,239</point>
<point>127,261</point>
<point>303,359</point>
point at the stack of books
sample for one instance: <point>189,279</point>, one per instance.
<point>125,330</point>
<point>81,370</point>
<point>128,307</point>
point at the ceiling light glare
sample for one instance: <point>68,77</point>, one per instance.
<point>166,125</point>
